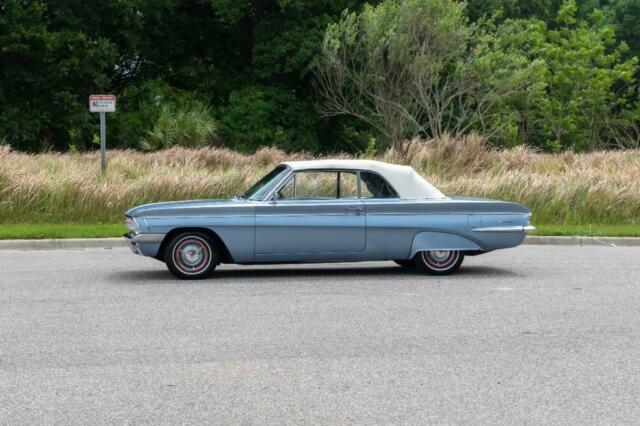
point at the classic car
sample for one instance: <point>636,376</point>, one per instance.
<point>327,211</point>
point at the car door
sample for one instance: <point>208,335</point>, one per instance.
<point>316,215</point>
<point>391,223</point>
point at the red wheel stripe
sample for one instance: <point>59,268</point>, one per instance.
<point>453,257</point>
<point>183,268</point>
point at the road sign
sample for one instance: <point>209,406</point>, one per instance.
<point>102,103</point>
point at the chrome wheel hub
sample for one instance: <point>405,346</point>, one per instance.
<point>440,260</point>
<point>191,254</point>
<point>440,255</point>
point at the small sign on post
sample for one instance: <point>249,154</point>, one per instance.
<point>102,104</point>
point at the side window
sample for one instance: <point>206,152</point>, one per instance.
<point>287,192</point>
<point>348,184</point>
<point>374,186</point>
<point>316,185</point>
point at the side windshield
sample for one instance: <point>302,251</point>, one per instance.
<point>374,186</point>
<point>261,188</point>
<point>320,185</point>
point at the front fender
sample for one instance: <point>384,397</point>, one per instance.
<point>430,241</point>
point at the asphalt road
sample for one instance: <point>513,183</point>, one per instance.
<point>534,335</point>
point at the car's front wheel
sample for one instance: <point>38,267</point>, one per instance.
<point>191,255</point>
<point>439,262</point>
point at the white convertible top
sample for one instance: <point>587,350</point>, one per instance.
<point>407,183</point>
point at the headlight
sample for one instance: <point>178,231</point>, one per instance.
<point>132,225</point>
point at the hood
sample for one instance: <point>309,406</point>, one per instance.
<point>186,208</point>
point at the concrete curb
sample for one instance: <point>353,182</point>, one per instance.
<point>108,243</point>
<point>584,241</point>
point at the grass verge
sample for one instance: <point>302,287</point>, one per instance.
<point>24,231</point>
<point>75,230</point>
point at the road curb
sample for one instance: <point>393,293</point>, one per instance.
<point>583,241</point>
<point>108,243</point>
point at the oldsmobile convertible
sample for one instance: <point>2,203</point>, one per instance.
<point>327,211</point>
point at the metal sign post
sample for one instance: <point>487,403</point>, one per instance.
<point>102,104</point>
<point>103,142</point>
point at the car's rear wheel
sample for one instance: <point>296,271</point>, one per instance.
<point>191,256</point>
<point>439,262</point>
<point>405,263</point>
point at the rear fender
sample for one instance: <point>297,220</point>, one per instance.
<point>429,241</point>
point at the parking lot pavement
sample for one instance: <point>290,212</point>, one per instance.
<point>533,335</point>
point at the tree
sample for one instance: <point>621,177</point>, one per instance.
<point>588,84</point>
<point>163,54</point>
<point>46,75</point>
<point>417,67</point>
<point>545,72</point>
<point>624,16</point>
<point>512,9</point>
<point>271,103</point>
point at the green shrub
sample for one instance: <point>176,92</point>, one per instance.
<point>259,117</point>
<point>189,126</point>
<point>139,108</point>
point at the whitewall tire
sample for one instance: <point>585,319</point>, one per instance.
<point>439,262</point>
<point>191,256</point>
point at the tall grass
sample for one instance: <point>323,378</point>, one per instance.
<point>600,187</point>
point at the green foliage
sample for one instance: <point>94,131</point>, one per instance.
<point>511,9</point>
<point>190,126</point>
<point>624,16</point>
<point>551,73</point>
<point>140,106</point>
<point>220,52</point>
<point>266,116</point>
<point>373,61</point>
<point>45,77</point>
<point>586,82</point>
<point>417,68</point>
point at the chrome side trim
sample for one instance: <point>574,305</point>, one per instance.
<point>145,238</point>
<point>461,212</point>
<point>505,229</point>
<point>217,216</point>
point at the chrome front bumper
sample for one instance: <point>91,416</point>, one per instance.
<point>134,240</point>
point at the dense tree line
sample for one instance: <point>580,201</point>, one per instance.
<point>549,73</point>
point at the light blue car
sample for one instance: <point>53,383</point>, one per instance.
<point>327,211</point>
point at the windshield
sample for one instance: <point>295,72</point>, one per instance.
<point>261,188</point>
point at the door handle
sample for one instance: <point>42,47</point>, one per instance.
<point>353,210</point>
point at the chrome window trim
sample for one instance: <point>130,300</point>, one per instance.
<point>270,193</point>
<point>278,186</point>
